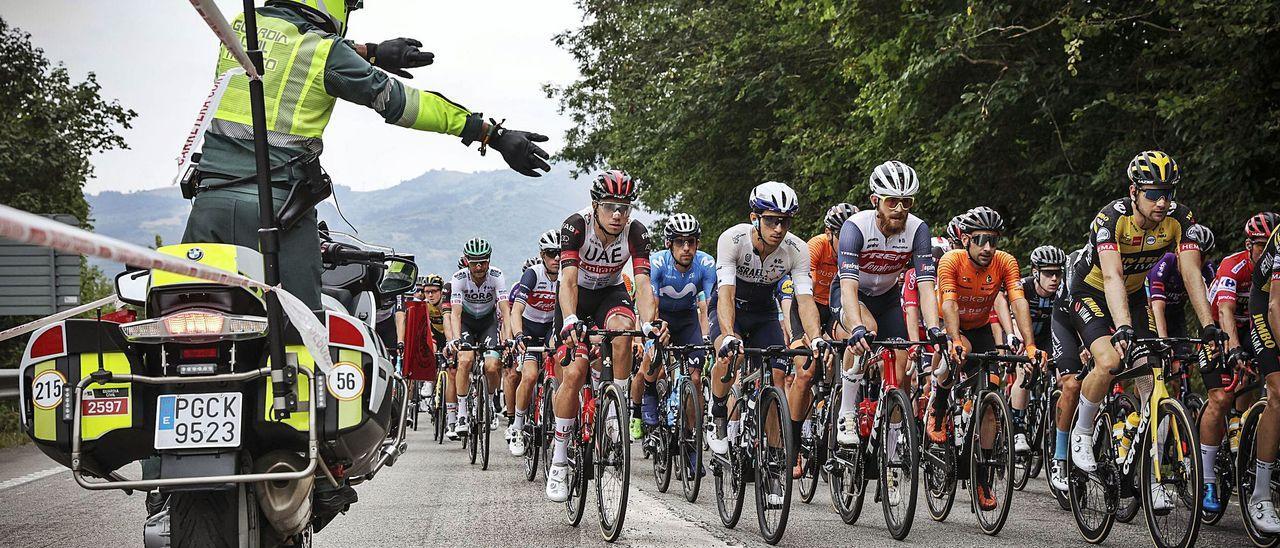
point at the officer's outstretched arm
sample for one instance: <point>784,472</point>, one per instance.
<point>349,77</point>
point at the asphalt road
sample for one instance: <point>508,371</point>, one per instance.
<point>433,497</point>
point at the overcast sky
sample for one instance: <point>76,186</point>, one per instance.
<point>157,58</point>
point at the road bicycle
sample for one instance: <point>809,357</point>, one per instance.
<point>480,410</point>
<point>678,436</point>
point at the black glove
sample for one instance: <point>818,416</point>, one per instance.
<point>937,335</point>
<point>1212,334</point>
<point>1236,356</point>
<point>398,54</point>
<point>519,151</point>
<point>1123,333</point>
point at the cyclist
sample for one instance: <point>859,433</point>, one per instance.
<point>1264,309</point>
<point>1041,289</point>
<point>532,314</point>
<point>968,281</point>
<point>595,245</point>
<point>751,260</point>
<point>1229,296</point>
<point>876,247</point>
<point>683,277</point>
<point>479,294</point>
<point>1069,356</point>
<point>823,266</point>
<point>1129,237</point>
<point>428,291</point>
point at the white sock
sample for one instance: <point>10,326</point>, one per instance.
<point>849,389</point>
<point>1086,411</point>
<point>519,422</point>
<point>891,444</point>
<point>462,408</point>
<point>1209,454</point>
<point>563,427</point>
<point>1262,482</point>
<point>450,413</point>
<point>733,428</point>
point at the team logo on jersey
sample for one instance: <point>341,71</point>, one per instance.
<point>988,278</point>
<point>1103,234</point>
<point>1119,207</point>
<point>1151,240</point>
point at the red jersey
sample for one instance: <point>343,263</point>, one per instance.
<point>1231,283</point>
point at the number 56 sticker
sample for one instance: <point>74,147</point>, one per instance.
<point>346,381</point>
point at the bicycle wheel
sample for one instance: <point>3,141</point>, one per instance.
<point>1035,434</point>
<point>1176,461</point>
<point>847,479</point>
<point>899,463</point>
<point>578,453</point>
<point>1094,496</point>
<point>1130,501</point>
<point>808,448</point>
<point>938,463</point>
<point>475,409</point>
<point>612,459</point>
<point>485,419</point>
<point>438,417</point>
<point>660,441</point>
<point>773,464</point>
<point>547,425</point>
<point>1245,465</point>
<point>992,468</point>
<point>532,436</point>
<point>690,421</point>
<point>1049,446</point>
<point>730,479</point>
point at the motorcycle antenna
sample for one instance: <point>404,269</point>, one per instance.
<point>283,375</point>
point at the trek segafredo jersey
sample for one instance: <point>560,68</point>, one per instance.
<point>877,260</point>
<point>756,278</point>
<point>477,300</point>
<point>538,293</point>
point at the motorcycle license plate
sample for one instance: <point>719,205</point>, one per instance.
<point>198,421</point>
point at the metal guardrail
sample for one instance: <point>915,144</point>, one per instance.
<point>8,384</point>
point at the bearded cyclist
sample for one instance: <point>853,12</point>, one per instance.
<point>479,295</point>
<point>595,245</point>
<point>1129,236</point>
<point>683,277</point>
<point>876,247</point>
<point>532,314</point>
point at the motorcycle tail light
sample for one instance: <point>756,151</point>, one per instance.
<point>195,325</point>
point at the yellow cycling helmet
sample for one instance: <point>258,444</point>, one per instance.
<point>335,12</point>
<point>1153,167</point>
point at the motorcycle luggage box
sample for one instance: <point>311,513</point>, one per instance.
<point>115,425</point>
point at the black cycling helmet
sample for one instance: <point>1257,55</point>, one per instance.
<point>981,218</point>
<point>1152,167</point>
<point>462,262</point>
<point>838,214</point>
<point>1201,235</point>
<point>530,262</point>
<point>682,224</point>
<point>1047,255</point>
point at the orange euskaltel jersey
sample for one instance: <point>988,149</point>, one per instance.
<point>974,288</point>
<point>823,267</point>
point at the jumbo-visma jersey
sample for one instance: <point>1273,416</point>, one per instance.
<point>1116,229</point>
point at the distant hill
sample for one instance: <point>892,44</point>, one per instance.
<point>430,216</point>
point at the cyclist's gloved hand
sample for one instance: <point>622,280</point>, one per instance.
<point>858,340</point>
<point>398,54</point>
<point>517,342</point>
<point>570,328</point>
<point>519,151</point>
<point>1123,337</point>
<point>1013,342</point>
<point>728,344</point>
<point>1212,334</point>
<point>1237,356</point>
<point>400,347</point>
<point>451,346</point>
<point>937,335</point>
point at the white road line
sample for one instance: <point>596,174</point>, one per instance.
<point>23,480</point>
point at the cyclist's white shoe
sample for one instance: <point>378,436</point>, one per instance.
<point>558,483</point>
<point>1058,475</point>
<point>847,429</point>
<point>462,427</point>
<point>1160,500</point>
<point>718,445</point>
<point>1082,452</point>
<point>493,424</point>
<point>450,433</point>
<point>516,445</point>
<point>894,488</point>
<point>1020,444</point>
<point>775,500</point>
<point>511,433</point>
<point>1263,516</point>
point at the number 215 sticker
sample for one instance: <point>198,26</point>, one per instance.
<point>46,389</point>
<point>346,381</point>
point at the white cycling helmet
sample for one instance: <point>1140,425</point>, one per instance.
<point>1201,235</point>
<point>530,262</point>
<point>774,196</point>
<point>549,241</point>
<point>894,179</point>
<point>1047,255</point>
<point>682,224</point>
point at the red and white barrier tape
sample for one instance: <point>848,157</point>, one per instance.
<point>23,227</point>
<point>37,324</point>
<point>218,24</point>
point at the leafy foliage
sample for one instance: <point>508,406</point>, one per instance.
<point>1034,108</point>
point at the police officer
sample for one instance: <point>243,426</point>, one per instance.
<point>309,65</point>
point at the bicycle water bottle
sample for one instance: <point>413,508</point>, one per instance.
<point>1130,426</point>
<point>866,415</point>
<point>1233,433</point>
<point>649,408</point>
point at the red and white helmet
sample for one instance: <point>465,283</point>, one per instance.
<point>1261,225</point>
<point>615,184</point>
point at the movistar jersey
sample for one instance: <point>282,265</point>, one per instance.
<point>681,291</point>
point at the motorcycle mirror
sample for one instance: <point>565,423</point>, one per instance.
<point>398,276</point>
<point>132,285</point>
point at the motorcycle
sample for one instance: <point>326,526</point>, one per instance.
<point>188,391</point>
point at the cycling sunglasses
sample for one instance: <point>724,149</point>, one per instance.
<point>615,207</point>
<point>982,240</point>
<point>896,202</point>
<point>551,253</point>
<point>775,221</point>
<point>1157,194</point>
<point>1051,273</point>
<point>684,242</point>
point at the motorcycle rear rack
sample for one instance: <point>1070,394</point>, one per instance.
<point>71,406</point>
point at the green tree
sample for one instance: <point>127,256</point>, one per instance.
<point>1034,108</point>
